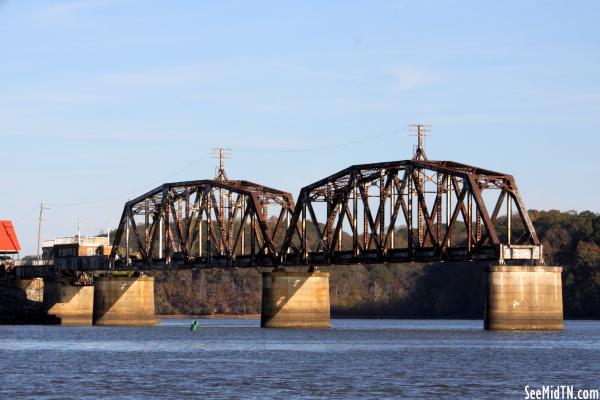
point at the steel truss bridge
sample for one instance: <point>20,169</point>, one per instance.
<point>403,211</point>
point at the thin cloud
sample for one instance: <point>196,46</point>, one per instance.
<point>67,11</point>
<point>166,76</point>
<point>312,72</point>
<point>409,77</point>
<point>49,98</point>
<point>588,97</point>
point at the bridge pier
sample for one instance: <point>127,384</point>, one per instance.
<point>124,301</point>
<point>68,304</point>
<point>295,300</point>
<point>524,298</point>
<point>33,288</point>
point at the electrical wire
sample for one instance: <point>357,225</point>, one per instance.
<point>318,148</point>
<point>240,150</point>
<point>131,192</point>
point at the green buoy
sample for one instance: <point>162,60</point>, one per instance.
<point>194,326</point>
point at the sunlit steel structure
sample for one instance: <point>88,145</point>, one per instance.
<point>219,222</point>
<point>403,211</point>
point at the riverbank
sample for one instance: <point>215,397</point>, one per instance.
<point>209,316</point>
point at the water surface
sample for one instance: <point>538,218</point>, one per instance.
<point>235,358</point>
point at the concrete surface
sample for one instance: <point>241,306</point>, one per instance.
<point>295,300</point>
<point>524,298</point>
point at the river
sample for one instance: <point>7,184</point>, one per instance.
<point>235,358</point>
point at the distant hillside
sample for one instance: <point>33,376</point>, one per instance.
<point>449,290</point>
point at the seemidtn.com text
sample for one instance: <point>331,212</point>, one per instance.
<point>563,392</point>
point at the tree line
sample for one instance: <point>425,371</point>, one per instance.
<point>439,290</point>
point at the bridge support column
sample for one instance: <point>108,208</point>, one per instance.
<point>68,304</point>
<point>126,301</point>
<point>295,300</point>
<point>524,298</point>
<point>33,288</point>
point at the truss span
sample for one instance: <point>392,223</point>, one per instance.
<point>223,223</point>
<point>413,210</point>
<point>402,211</point>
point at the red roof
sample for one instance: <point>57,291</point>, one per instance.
<point>8,238</point>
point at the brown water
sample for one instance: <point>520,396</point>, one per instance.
<point>229,358</point>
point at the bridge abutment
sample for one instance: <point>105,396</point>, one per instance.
<point>295,300</point>
<point>524,298</point>
<point>68,304</point>
<point>124,301</point>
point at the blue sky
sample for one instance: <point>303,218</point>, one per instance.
<point>101,100</point>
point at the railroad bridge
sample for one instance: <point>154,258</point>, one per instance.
<point>415,210</point>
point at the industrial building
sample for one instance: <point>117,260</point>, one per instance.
<point>76,246</point>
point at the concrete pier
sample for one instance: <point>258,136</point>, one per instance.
<point>524,298</point>
<point>126,301</point>
<point>33,288</point>
<point>295,300</point>
<point>68,304</point>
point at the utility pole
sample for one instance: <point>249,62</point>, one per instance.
<point>222,154</point>
<point>419,155</point>
<point>39,238</point>
<point>421,131</point>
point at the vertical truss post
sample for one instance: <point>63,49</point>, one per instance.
<point>230,223</point>
<point>179,223</point>
<point>469,220</point>
<point>147,237</point>
<point>420,216</point>
<point>329,223</point>
<point>366,218</point>
<point>392,208</point>
<point>509,219</point>
<point>127,240</point>
<point>438,208</point>
<point>201,212</point>
<point>381,210</point>
<point>167,233</point>
<point>303,228</point>
<point>253,235</point>
<point>288,213</point>
<point>478,225</point>
<point>340,236</point>
<point>355,217</point>
<point>222,220</point>
<point>243,225</point>
<point>160,235</point>
<point>409,206</point>
<point>209,228</point>
<point>448,209</point>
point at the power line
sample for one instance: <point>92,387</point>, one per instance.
<point>318,148</point>
<point>133,191</point>
<point>241,150</point>
<point>27,214</point>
